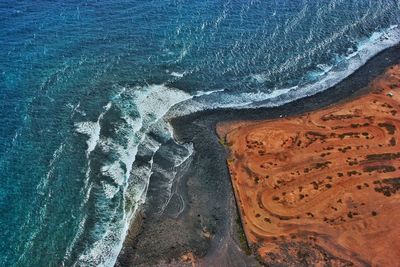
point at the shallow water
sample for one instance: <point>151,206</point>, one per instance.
<point>85,88</point>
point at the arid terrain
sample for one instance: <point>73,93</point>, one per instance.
<point>323,187</point>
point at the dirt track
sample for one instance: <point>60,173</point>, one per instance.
<point>322,187</point>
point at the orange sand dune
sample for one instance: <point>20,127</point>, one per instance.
<point>324,187</point>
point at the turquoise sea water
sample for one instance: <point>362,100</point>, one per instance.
<point>86,86</point>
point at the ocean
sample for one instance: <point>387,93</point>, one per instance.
<point>87,88</point>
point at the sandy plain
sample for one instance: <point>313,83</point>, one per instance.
<point>322,187</point>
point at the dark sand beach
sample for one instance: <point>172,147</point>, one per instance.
<point>207,232</point>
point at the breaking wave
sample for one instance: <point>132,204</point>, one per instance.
<point>324,77</point>
<point>132,128</point>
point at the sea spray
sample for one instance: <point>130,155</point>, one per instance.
<point>328,76</point>
<point>64,62</point>
<point>119,179</point>
<point>144,111</point>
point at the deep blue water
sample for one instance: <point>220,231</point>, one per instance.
<point>85,87</point>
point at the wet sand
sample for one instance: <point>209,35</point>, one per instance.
<point>214,238</point>
<point>322,187</point>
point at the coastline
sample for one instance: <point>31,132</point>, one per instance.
<point>206,187</point>
<point>110,154</point>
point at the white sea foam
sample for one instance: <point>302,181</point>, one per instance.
<point>335,74</point>
<point>183,53</point>
<point>324,68</point>
<point>260,78</point>
<point>91,129</point>
<point>109,190</point>
<point>45,180</point>
<point>202,93</point>
<point>76,109</point>
<point>145,109</point>
<point>114,171</point>
<point>77,235</point>
<point>178,74</point>
<point>328,77</point>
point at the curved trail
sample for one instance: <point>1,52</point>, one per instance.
<point>322,187</point>
<point>206,187</point>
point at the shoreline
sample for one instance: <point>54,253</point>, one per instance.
<point>208,228</point>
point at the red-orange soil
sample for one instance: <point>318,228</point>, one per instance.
<point>322,188</point>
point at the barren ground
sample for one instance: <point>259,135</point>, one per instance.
<point>323,187</point>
